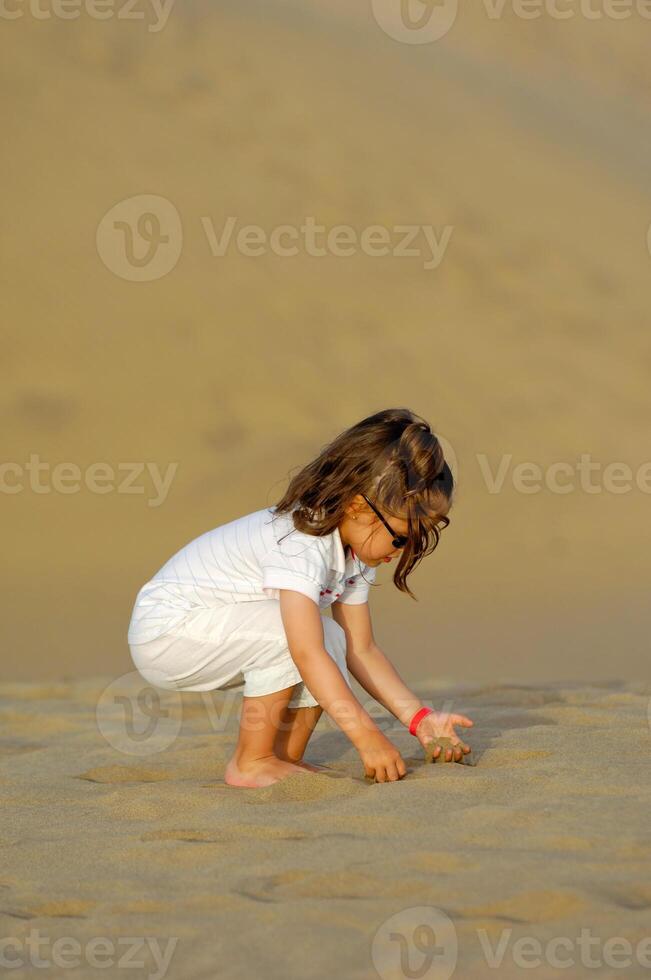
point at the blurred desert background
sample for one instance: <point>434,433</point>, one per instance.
<point>529,342</point>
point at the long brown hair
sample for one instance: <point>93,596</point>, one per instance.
<point>397,461</point>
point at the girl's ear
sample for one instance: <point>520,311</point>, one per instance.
<point>356,506</point>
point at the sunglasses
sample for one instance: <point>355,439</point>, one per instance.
<point>399,540</point>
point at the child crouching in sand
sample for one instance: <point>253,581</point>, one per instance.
<point>249,596</point>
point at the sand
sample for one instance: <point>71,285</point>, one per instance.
<point>529,342</point>
<point>546,835</point>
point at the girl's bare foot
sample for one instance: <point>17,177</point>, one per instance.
<point>260,772</point>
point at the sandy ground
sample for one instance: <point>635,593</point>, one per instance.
<point>528,343</point>
<point>325,875</point>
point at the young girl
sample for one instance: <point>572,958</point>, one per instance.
<point>248,598</point>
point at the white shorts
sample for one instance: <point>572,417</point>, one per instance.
<point>212,646</point>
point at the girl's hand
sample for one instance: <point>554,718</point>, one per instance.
<point>382,760</point>
<point>440,724</point>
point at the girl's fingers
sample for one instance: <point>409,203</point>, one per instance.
<point>462,720</point>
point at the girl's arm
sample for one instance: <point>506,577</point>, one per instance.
<point>369,666</point>
<point>377,675</point>
<point>304,630</point>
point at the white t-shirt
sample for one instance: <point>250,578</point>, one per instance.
<point>248,559</point>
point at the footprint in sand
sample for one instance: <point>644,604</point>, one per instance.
<point>331,885</point>
<point>234,835</point>
<point>125,774</point>
<point>11,747</point>
<point>635,896</point>
<point>189,836</point>
<point>534,906</point>
<point>65,909</point>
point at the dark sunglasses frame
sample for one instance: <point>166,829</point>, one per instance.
<point>399,540</point>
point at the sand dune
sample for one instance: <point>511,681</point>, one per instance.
<point>545,836</point>
<point>529,342</point>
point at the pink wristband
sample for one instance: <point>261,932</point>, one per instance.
<point>413,724</point>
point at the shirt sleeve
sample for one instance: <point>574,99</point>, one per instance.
<point>303,570</point>
<point>356,590</point>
